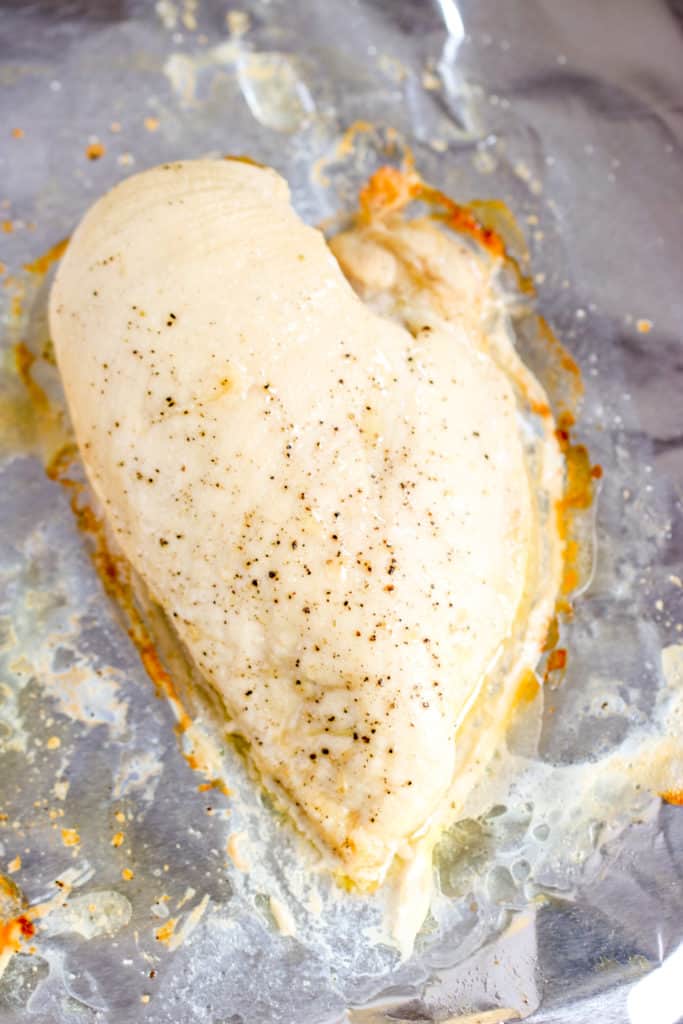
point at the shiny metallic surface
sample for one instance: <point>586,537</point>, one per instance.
<point>571,114</point>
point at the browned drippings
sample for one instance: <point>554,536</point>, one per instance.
<point>42,264</point>
<point>15,927</point>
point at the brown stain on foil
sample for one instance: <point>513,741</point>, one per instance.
<point>553,634</point>
<point>578,492</point>
<point>28,420</point>
<point>18,921</point>
<point>16,304</point>
<point>200,764</point>
<point>241,158</point>
<point>14,932</point>
<point>218,784</point>
<point>391,189</point>
<point>16,925</point>
<point>465,221</point>
<point>163,683</point>
<point>70,837</point>
<point>557,660</point>
<point>388,191</point>
<point>498,217</point>
<point>42,264</point>
<point>344,148</point>
<point>24,361</point>
<point>165,932</point>
<point>346,144</point>
<point>528,689</point>
<point>579,495</point>
<point>562,376</point>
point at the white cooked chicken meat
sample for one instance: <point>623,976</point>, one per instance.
<point>334,494</point>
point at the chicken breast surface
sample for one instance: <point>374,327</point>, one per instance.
<point>334,510</point>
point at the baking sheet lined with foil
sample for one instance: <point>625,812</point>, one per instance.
<point>176,901</point>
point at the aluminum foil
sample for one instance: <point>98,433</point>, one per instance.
<point>568,112</point>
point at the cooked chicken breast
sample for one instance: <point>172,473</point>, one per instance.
<point>339,507</point>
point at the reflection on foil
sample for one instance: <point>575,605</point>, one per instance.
<point>565,114</point>
<point>453,81</point>
<point>274,91</point>
<point>658,996</point>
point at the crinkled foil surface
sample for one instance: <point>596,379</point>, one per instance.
<point>570,112</point>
